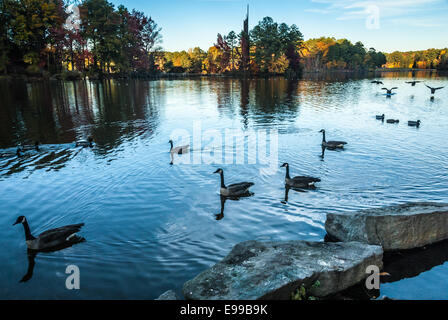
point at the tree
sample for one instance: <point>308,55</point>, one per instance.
<point>273,41</point>
<point>33,24</point>
<point>223,58</point>
<point>232,41</point>
<point>99,25</point>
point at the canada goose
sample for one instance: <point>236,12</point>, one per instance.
<point>381,117</point>
<point>389,91</point>
<point>234,190</point>
<point>85,143</point>
<point>299,182</point>
<point>51,238</point>
<point>331,144</point>
<point>178,150</point>
<point>19,152</point>
<point>433,90</point>
<point>412,83</point>
<point>393,121</point>
<point>414,123</point>
<point>377,82</point>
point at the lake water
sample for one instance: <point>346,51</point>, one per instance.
<point>150,226</point>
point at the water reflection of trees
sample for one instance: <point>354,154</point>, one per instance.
<point>259,101</point>
<point>59,113</point>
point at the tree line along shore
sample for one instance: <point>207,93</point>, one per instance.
<point>95,39</point>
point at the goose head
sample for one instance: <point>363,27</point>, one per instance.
<point>418,122</point>
<point>322,131</point>
<point>171,143</point>
<point>285,165</point>
<point>218,171</point>
<point>20,219</point>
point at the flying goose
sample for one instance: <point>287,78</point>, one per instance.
<point>393,121</point>
<point>389,91</point>
<point>377,82</point>
<point>380,117</point>
<point>51,238</point>
<point>414,123</point>
<point>234,190</point>
<point>178,150</point>
<point>433,90</point>
<point>85,143</point>
<point>412,83</point>
<point>299,182</point>
<point>331,144</point>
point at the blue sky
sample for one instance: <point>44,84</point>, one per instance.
<point>386,25</point>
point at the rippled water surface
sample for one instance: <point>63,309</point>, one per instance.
<point>151,226</point>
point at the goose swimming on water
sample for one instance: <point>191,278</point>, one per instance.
<point>331,144</point>
<point>414,123</point>
<point>234,190</point>
<point>380,117</point>
<point>178,150</point>
<point>52,238</point>
<point>300,181</point>
<point>393,121</point>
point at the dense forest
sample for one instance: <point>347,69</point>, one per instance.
<point>49,37</point>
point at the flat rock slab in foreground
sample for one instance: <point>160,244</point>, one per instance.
<point>273,270</point>
<point>399,227</point>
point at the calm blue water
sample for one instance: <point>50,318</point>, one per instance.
<point>151,226</point>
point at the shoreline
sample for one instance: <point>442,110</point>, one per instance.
<point>76,77</point>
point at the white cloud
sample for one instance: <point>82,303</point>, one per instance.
<point>395,11</point>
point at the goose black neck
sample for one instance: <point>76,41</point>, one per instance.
<point>287,173</point>
<point>324,139</point>
<point>28,235</point>
<point>171,143</point>
<point>222,179</point>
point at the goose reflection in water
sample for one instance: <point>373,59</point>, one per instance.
<point>220,215</point>
<point>322,155</point>
<point>223,199</point>
<point>49,241</point>
<point>32,257</point>
<point>288,188</point>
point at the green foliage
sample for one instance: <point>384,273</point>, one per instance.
<point>301,292</point>
<point>271,43</point>
<point>329,53</point>
<point>431,58</point>
<point>34,33</point>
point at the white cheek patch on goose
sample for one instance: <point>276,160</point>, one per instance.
<point>70,237</point>
<point>23,220</point>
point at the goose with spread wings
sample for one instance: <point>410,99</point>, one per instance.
<point>433,90</point>
<point>413,83</point>
<point>389,91</point>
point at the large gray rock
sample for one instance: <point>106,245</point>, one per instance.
<point>273,270</point>
<point>399,227</point>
